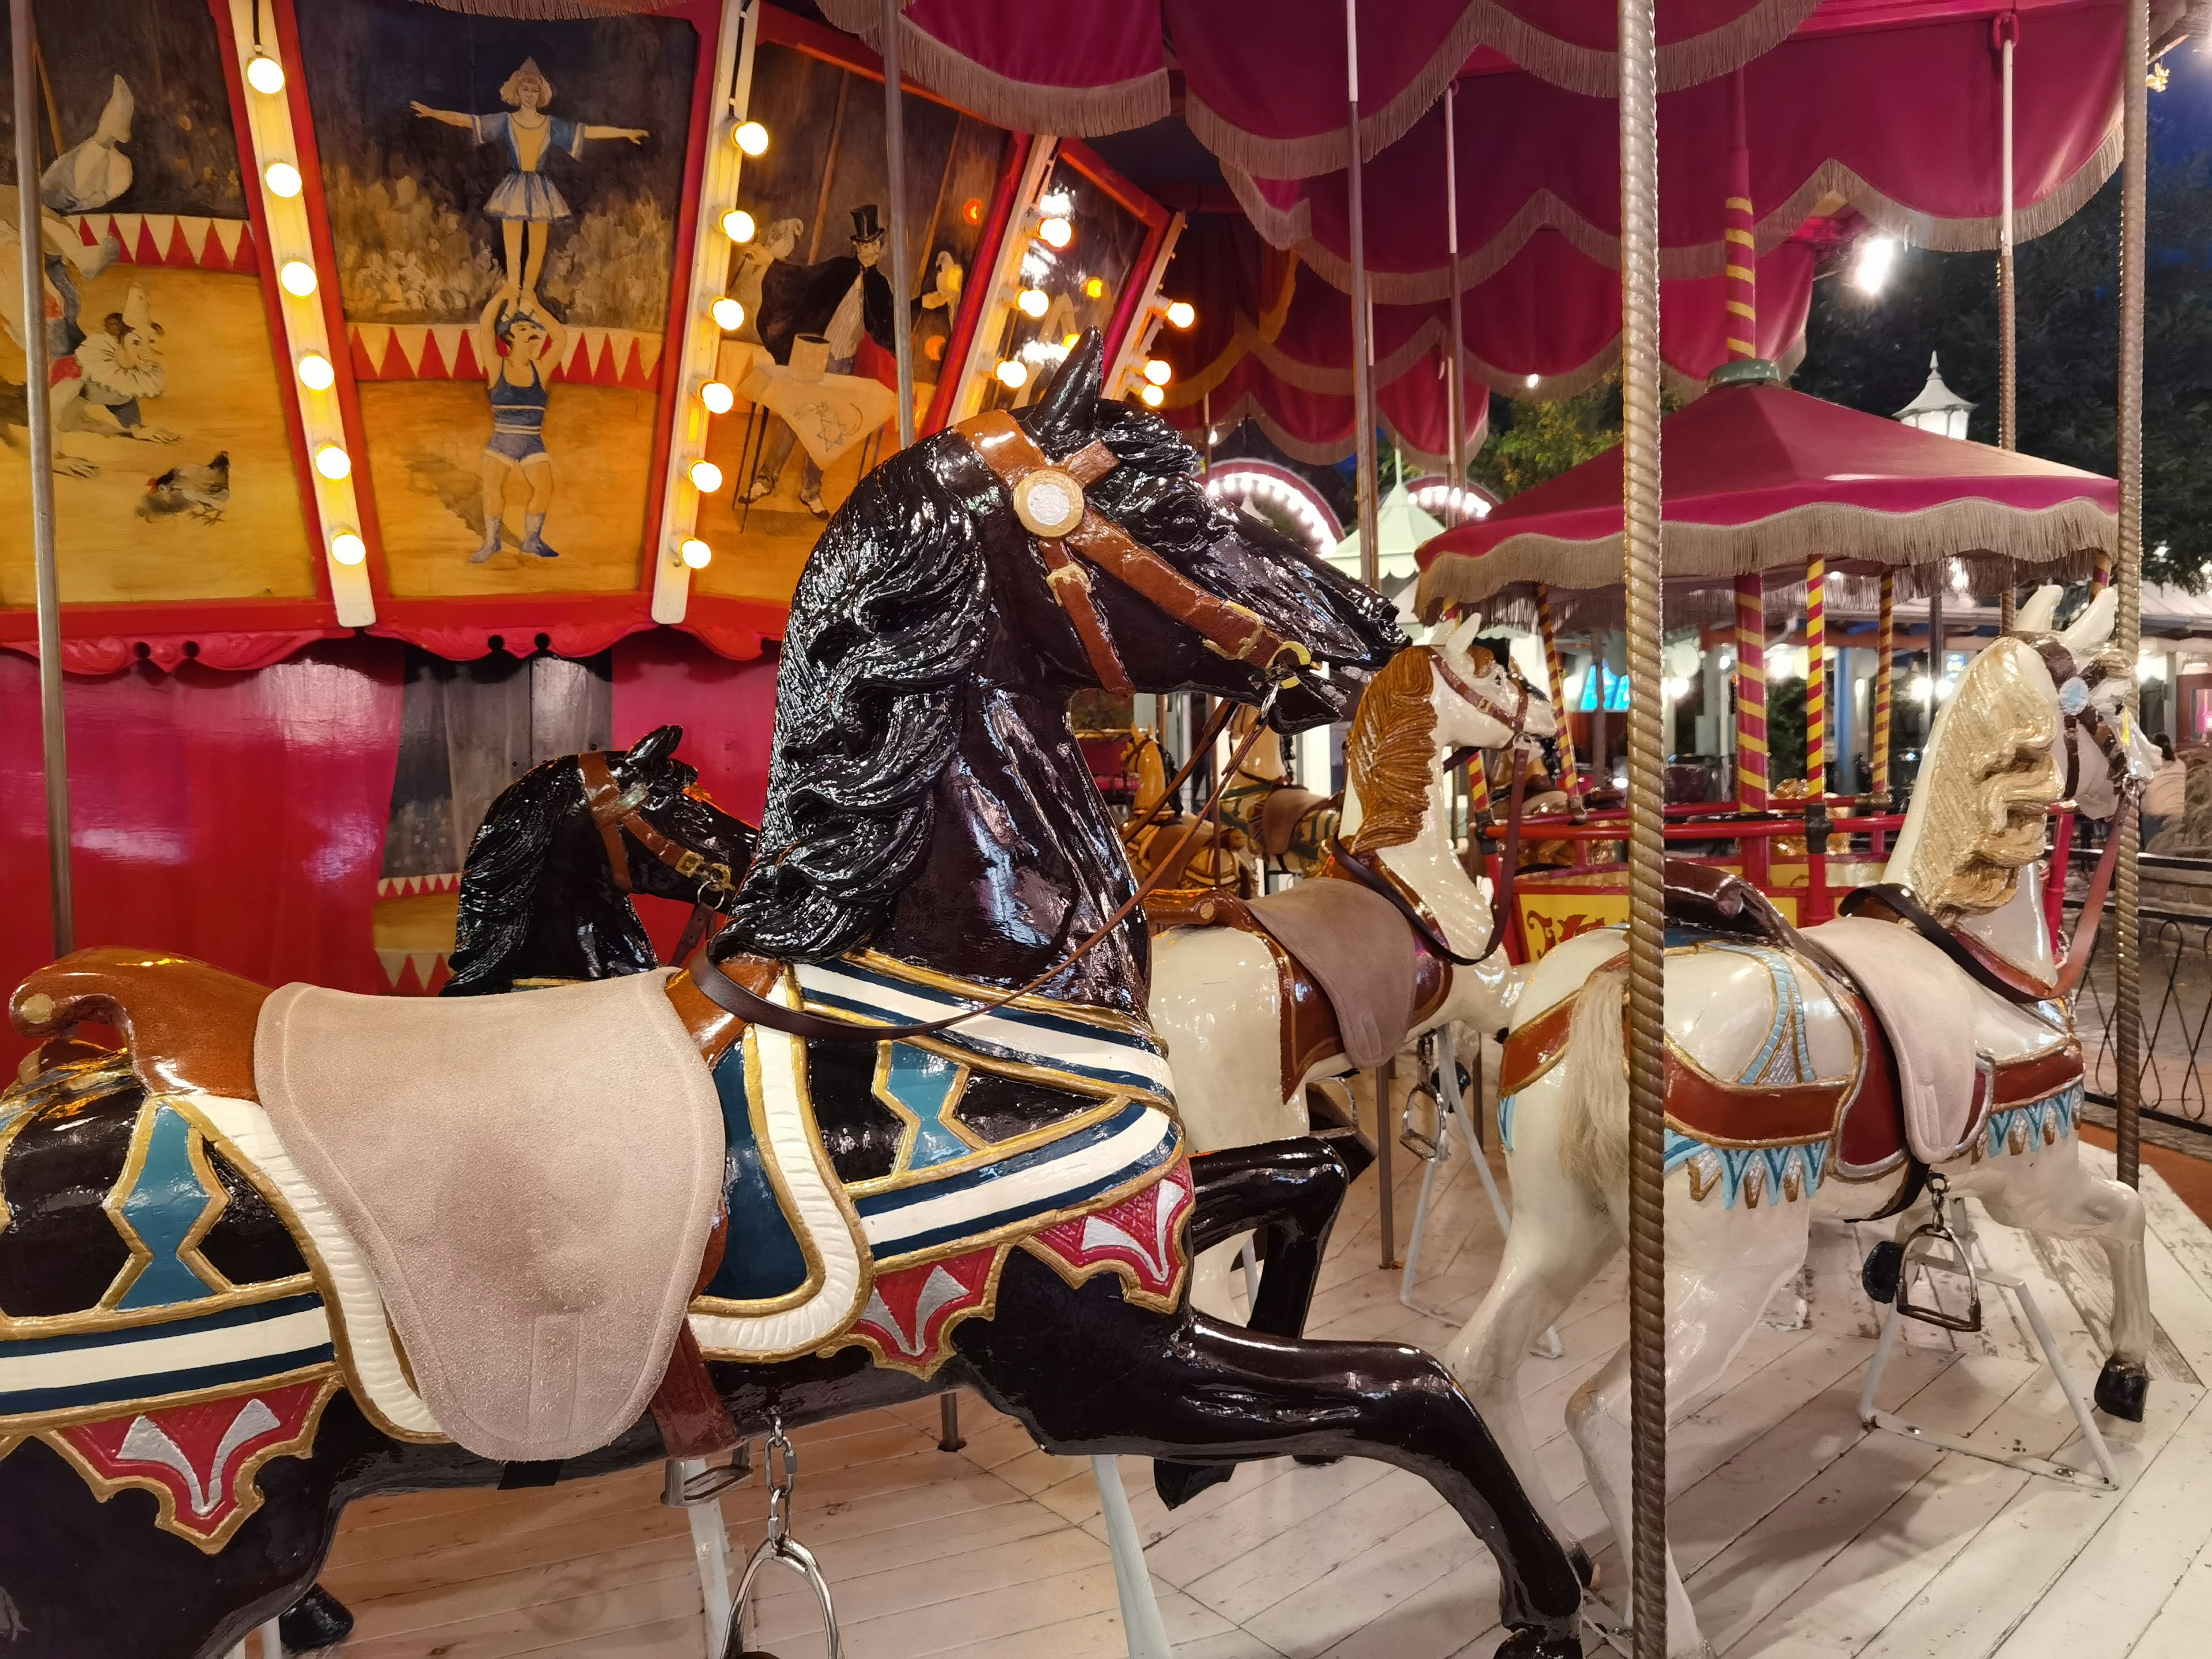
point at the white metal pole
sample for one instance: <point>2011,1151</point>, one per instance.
<point>895,147</point>
<point>54,734</point>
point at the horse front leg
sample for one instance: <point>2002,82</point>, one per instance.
<point>2051,1190</point>
<point>1091,1375</point>
<point>1723,1265</point>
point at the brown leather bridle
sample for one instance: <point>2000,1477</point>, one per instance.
<point>614,812</point>
<point>1230,629</point>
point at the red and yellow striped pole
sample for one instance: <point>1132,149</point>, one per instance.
<point>1736,234</point>
<point>1885,669</point>
<point>1751,780</point>
<point>1570,777</point>
<point>1816,676</point>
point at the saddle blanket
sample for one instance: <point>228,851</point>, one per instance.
<point>1081,1162</point>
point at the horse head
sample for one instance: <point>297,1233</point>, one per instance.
<point>972,585</point>
<point>1483,701</point>
<point>677,843</point>
<point>2098,753</point>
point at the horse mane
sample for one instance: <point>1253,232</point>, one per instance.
<point>499,882</point>
<point>1390,753</point>
<point>889,615</point>
<point>1983,792</point>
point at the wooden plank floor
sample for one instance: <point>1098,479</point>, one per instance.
<point>1801,1534</point>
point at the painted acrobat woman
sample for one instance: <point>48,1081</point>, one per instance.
<point>526,202</point>
<point>515,349</point>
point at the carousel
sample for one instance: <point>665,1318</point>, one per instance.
<point>817,882</point>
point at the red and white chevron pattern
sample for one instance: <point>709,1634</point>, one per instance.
<point>447,351</point>
<point>1141,1234</point>
<point>910,1312</point>
<point>173,239</point>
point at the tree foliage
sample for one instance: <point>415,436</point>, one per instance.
<point>1871,351</point>
<point>1533,442</point>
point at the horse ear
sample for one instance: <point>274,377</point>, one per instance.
<point>648,751</point>
<point>2035,617</point>
<point>1061,418</point>
<point>2093,626</point>
<point>1454,639</point>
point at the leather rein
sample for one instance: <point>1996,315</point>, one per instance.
<point>615,811</point>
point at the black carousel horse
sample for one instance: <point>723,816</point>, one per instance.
<point>928,801</point>
<point>546,891</point>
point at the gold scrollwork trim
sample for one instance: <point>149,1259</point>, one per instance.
<point>98,1321</point>
<point>941,1350</point>
<point>910,1121</point>
<point>244,1480</point>
<point>1105,1018</point>
<point>1133,1290</point>
<point>991,1152</point>
<point>34,1423</point>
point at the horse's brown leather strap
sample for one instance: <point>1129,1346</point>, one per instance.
<point>686,1408</point>
<point>604,795</point>
<point>1230,629</point>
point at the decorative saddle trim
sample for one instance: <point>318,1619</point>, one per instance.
<point>1064,1044</point>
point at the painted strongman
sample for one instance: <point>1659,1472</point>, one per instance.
<point>516,350</point>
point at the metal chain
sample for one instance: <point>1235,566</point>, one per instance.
<point>1639,388</point>
<point>781,1462</point>
<point>2127,1032</point>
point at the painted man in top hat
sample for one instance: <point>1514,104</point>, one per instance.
<point>839,299</point>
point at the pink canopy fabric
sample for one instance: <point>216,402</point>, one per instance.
<point>1552,313</point>
<point>1264,80</point>
<point>1875,105</point>
<point>1758,477</point>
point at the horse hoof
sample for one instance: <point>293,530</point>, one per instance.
<point>1585,1569</point>
<point>1884,1265</point>
<point>1533,1641</point>
<point>2121,1387</point>
<point>1178,1483</point>
<point>318,1619</point>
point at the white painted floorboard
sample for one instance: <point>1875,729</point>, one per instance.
<point>1803,1536</point>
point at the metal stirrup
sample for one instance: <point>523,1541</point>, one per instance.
<point>1934,1247</point>
<point>780,1464</point>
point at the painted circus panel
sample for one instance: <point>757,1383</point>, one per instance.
<point>504,199</point>
<point>814,362</point>
<point>175,472</point>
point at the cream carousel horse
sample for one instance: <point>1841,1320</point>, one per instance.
<point>1247,1024</point>
<point>1827,1064</point>
<point>1216,857</point>
<point>1288,827</point>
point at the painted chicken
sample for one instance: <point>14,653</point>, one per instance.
<point>198,492</point>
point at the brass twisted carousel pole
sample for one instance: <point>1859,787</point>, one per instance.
<point>2127,1026</point>
<point>1640,505</point>
<point>895,166</point>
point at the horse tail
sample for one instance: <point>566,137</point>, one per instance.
<point>1595,1145</point>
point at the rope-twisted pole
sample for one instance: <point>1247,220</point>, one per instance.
<point>1884,673</point>
<point>1647,920</point>
<point>2127,1027</point>
<point>1816,676</point>
<point>1571,779</point>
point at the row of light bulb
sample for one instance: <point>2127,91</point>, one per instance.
<point>1276,493</point>
<point>297,278</point>
<point>717,397</point>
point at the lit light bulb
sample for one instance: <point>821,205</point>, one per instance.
<point>718,398</point>
<point>1533,379</point>
<point>1011,374</point>
<point>1877,254</point>
<point>1033,303</point>
<point>297,278</point>
<point>1094,288</point>
<point>1181,314</point>
<point>283,179</point>
<point>751,137</point>
<point>1158,370</point>
<point>265,74</point>
<point>1069,340</point>
<point>706,477</point>
<point>729,316</point>
<point>1056,232</point>
<point>1153,396</point>
<point>347,547</point>
<point>333,463</point>
<point>316,373</point>
<point>737,225</point>
<point>696,554</point>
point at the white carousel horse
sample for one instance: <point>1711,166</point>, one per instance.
<point>1218,993</point>
<point>1778,1082</point>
